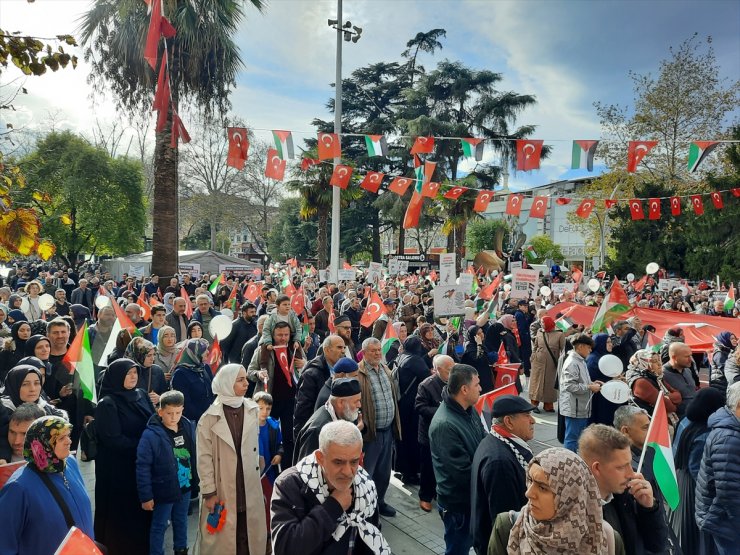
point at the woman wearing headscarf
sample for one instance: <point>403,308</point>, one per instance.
<point>563,513</point>
<point>412,370</point>
<point>688,449</point>
<point>645,378</point>
<point>475,355</point>
<point>120,419</point>
<point>14,348</point>
<point>547,344</point>
<point>23,384</point>
<point>228,466</point>
<point>429,342</point>
<point>166,351</point>
<point>38,348</point>
<point>32,523</point>
<point>602,410</point>
<point>167,302</point>
<point>502,332</point>
<point>724,344</point>
<point>396,348</point>
<point>151,377</point>
<point>192,377</point>
<point>4,328</point>
<point>15,315</point>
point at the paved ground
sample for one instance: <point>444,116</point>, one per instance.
<point>412,530</point>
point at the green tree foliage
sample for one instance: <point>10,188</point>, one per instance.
<point>546,248</point>
<point>481,235</point>
<point>291,234</point>
<point>88,202</point>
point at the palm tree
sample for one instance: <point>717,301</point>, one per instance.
<point>203,62</point>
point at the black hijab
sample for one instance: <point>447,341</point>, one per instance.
<point>701,407</point>
<point>14,380</point>
<point>414,346</point>
<point>42,366</point>
<point>113,380</point>
<point>31,343</point>
<point>471,347</point>
<point>20,344</point>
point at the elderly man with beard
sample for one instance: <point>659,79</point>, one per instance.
<point>343,404</point>
<point>327,503</point>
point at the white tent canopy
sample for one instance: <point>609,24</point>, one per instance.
<point>195,262</point>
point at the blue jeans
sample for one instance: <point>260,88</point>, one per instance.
<point>573,429</point>
<point>176,512</point>
<point>458,540</point>
<point>377,461</point>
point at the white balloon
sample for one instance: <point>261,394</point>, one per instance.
<point>611,366</point>
<point>227,312</point>
<point>616,391</point>
<point>545,291</point>
<point>507,287</point>
<point>46,301</point>
<point>24,304</point>
<point>652,268</point>
<point>220,326</point>
<point>630,277</point>
<point>594,284</point>
<point>102,301</point>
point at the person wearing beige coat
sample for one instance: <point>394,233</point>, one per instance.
<point>218,463</point>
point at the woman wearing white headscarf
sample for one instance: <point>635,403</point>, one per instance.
<point>230,475</point>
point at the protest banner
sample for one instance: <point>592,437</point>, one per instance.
<point>449,300</point>
<point>523,283</point>
<point>447,269</point>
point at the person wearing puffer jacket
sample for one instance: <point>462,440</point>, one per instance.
<point>576,389</point>
<point>718,483</point>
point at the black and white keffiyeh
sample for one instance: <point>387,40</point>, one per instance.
<point>365,501</point>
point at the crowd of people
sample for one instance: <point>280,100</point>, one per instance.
<point>285,433</point>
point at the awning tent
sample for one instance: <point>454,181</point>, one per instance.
<point>208,261</point>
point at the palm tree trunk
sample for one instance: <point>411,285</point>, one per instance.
<point>321,240</point>
<point>165,229</point>
<point>376,236</point>
<point>460,233</point>
<point>401,235</point>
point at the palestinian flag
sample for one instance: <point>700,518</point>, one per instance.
<point>122,322</point>
<point>213,288</point>
<point>232,300</point>
<point>472,148</point>
<point>653,342</point>
<point>660,440</point>
<point>583,155</point>
<point>530,253</point>
<point>564,323</point>
<point>389,337</point>
<point>698,152</point>
<point>443,348</point>
<point>79,358</point>
<point>283,144</point>
<point>418,173</point>
<point>376,145</point>
<point>730,299</point>
<point>614,306</point>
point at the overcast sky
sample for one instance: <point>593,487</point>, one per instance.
<point>566,53</point>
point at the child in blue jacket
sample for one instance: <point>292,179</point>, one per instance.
<point>165,472</point>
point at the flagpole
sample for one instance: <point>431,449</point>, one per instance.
<point>650,429</point>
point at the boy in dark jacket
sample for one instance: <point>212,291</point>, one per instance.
<point>165,472</point>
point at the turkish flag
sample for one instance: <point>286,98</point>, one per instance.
<point>455,192</point>
<point>372,181</point>
<point>253,291</point>
<point>423,145</point>
<point>562,201</point>
<point>429,168</point>
<point>399,185</point>
<point>340,176</point>
<point>698,204</point>
<point>639,285</point>
<point>528,154</point>
<point>489,290</point>
<point>275,165</point>
<point>585,208</point>
<point>735,192</point>
<point>514,205</point>
<point>238,147</point>
<point>610,203</point>
<point>482,200</point>
<point>636,209</point>
<point>162,97</point>
<point>298,301</point>
<point>178,130</point>
<point>152,36</point>
<point>76,542</point>
<point>413,211</point>
<point>539,207</point>
<point>675,206</point>
<point>654,209</point>
<point>329,146</point>
<point>636,152</point>
<point>281,354</point>
<point>430,189</point>
<point>145,308</point>
<point>717,200</point>
<point>373,310</point>
<point>307,163</point>
<point>188,304</point>
<point>215,356</point>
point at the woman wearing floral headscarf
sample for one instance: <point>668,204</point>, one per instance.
<point>151,376</point>
<point>120,419</point>
<point>231,475</point>
<point>645,378</point>
<point>192,377</point>
<point>563,513</point>
<point>31,521</point>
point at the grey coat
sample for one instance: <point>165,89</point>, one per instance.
<point>575,396</point>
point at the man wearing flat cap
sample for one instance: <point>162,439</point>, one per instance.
<point>343,404</point>
<point>498,477</point>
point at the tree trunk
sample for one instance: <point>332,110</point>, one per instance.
<point>321,240</point>
<point>165,229</point>
<point>376,236</point>
<point>401,235</point>
<point>212,227</point>
<point>460,246</point>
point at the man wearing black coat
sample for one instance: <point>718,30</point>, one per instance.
<point>243,329</point>
<point>629,504</point>
<point>499,471</point>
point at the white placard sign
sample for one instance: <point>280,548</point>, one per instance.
<point>393,266</point>
<point>466,282</point>
<point>447,269</point>
<point>324,275</point>
<point>189,268</point>
<point>560,288</point>
<point>523,283</point>
<point>346,275</point>
<point>449,300</point>
<point>668,284</point>
<point>515,265</point>
<point>234,269</point>
<point>374,271</point>
<point>136,271</point>
<point>403,266</point>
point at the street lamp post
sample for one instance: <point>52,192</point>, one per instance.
<point>347,32</point>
